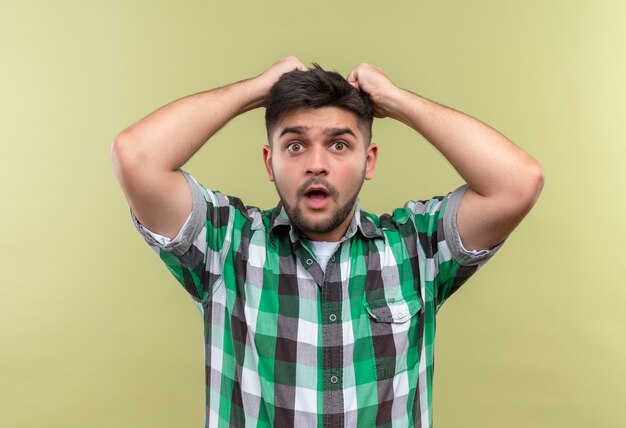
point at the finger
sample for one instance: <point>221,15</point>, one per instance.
<point>354,84</point>
<point>353,79</point>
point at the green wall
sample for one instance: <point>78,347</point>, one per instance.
<point>96,333</point>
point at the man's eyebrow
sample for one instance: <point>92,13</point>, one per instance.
<point>294,130</point>
<point>333,132</point>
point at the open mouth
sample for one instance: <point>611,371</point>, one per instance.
<point>317,197</point>
<point>316,194</point>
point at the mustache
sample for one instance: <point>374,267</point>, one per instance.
<point>317,181</point>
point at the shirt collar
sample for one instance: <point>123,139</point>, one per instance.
<point>361,221</point>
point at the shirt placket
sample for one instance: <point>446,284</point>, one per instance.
<point>332,334</point>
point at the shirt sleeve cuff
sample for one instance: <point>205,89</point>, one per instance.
<point>164,239</point>
<point>189,231</point>
<point>453,239</point>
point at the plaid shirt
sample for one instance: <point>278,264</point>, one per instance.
<point>289,344</point>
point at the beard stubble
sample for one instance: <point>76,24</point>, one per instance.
<point>309,225</point>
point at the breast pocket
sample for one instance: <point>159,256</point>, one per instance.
<point>395,327</point>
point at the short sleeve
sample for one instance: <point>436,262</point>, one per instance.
<point>455,263</point>
<point>195,256</point>
<point>453,239</point>
<point>447,264</point>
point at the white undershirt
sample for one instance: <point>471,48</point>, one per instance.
<point>323,251</point>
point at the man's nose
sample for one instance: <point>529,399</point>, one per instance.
<point>317,162</point>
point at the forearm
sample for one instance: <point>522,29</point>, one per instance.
<point>168,137</point>
<point>488,161</point>
<point>504,181</point>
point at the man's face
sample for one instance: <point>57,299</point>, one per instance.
<point>318,161</point>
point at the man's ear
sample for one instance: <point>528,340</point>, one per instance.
<point>267,160</point>
<point>370,161</point>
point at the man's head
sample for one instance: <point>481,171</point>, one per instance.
<point>319,129</point>
<point>314,89</point>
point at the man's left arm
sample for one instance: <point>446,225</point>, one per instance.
<point>504,181</point>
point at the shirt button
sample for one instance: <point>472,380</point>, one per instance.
<point>309,262</point>
<point>332,258</point>
<point>334,379</point>
<point>332,317</point>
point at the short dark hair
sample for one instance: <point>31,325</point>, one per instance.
<point>317,88</point>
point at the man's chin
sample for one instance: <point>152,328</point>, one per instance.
<point>319,223</point>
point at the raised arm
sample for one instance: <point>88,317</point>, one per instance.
<point>504,181</point>
<point>146,156</point>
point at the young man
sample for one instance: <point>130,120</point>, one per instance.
<point>317,312</point>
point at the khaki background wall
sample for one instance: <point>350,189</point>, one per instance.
<point>94,332</point>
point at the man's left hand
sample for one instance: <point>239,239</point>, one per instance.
<point>371,80</point>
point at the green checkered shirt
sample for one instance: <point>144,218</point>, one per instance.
<point>287,343</point>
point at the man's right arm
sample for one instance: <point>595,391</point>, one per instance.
<point>147,155</point>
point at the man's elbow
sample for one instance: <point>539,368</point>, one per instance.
<point>125,159</point>
<point>124,151</point>
<point>533,183</point>
<point>538,179</point>
<point>121,143</point>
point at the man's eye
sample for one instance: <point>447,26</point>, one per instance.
<point>294,147</point>
<point>340,145</point>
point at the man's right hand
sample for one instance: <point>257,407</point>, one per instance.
<point>280,67</point>
<point>147,155</point>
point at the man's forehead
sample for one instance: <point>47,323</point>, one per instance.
<point>330,121</point>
